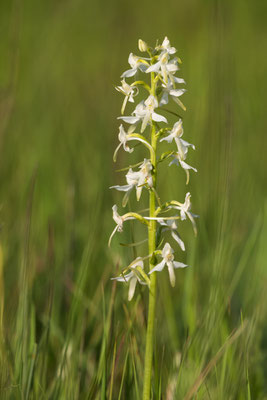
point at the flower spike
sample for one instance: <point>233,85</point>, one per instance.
<point>157,77</point>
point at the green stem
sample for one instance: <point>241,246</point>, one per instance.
<point>151,249</point>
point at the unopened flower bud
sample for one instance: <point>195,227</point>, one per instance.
<point>142,45</point>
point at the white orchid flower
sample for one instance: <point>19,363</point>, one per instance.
<point>164,67</point>
<point>145,112</point>
<point>132,179</point>
<point>139,114</point>
<point>129,93</point>
<point>182,146</point>
<point>133,277</point>
<point>145,176</point>
<point>136,179</point>
<point>175,134</point>
<point>169,90</point>
<point>179,161</point>
<point>168,259</point>
<point>151,103</point>
<point>171,225</point>
<point>136,63</point>
<point>166,46</point>
<point>125,137</point>
<point>184,209</point>
<point>119,222</point>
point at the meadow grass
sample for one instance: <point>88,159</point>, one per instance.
<point>66,330</point>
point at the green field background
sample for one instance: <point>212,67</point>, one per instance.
<point>67,331</point>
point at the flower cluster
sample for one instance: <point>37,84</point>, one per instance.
<point>146,124</point>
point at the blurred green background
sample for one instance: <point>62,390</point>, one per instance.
<point>66,331</point>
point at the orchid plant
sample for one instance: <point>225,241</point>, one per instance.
<point>147,125</point>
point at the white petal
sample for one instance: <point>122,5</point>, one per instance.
<point>129,73</point>
<point>124,188</point>
<point>171,273</point>
<point>178,239</point>
<point>187,144</point>
<point>129,120</point>
<point>158,118</point>
<point>172,50</point>
<point>190,216</point>
<point>132,60</point>
<point>126,198</point>
<point>184,165</point>
<point>138,192</point>
<point>177,264</point>
<point>172,66</point>
<point>167,250</point>
<point>145,122</point>
<point>168,138</point>
<point>132,286</point>
<point>154,67</point>
<point>164,99</point>
<point>158,267</point>
<point>177,129</point>
<point>177,92</point>
<point>151,103</point>
<point>182,150</point>
<point>178,80</point>
<point>183,216</point>
<point>124,278</point>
